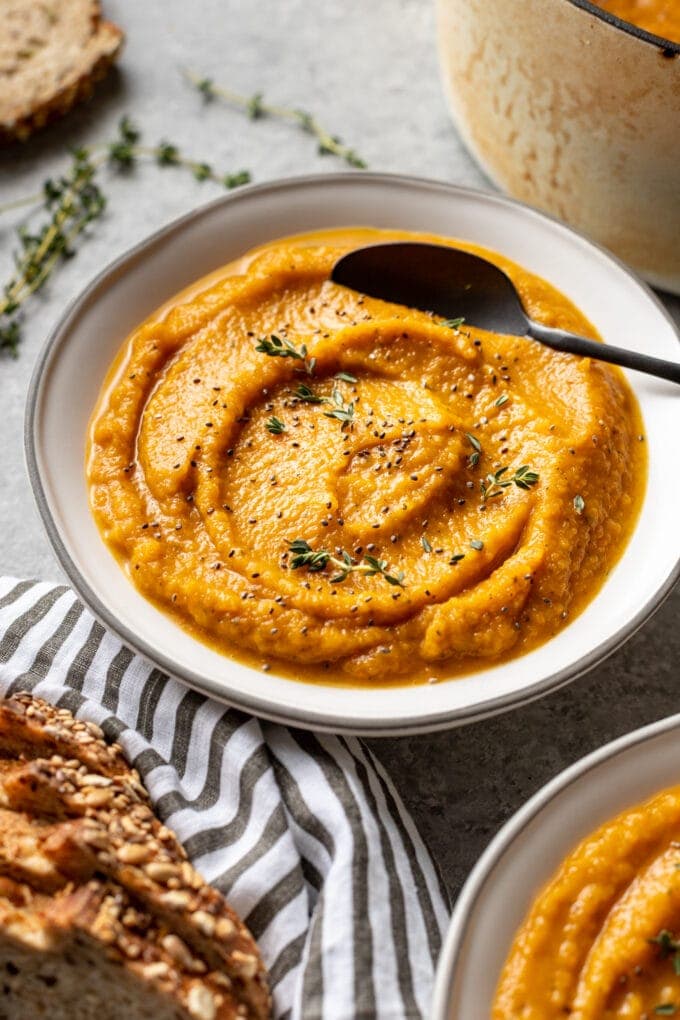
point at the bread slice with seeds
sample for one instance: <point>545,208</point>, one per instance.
<point>52,52</point>
<point>101,913</point>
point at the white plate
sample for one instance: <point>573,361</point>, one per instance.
<point>73,364</point>
<point>529,849</point>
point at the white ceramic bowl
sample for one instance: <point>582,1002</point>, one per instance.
<point>529,849</point>
<point>73,364</point>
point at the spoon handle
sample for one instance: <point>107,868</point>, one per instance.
<point>560,340</point>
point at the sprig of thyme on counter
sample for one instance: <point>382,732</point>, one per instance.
<point>70,203</point>
<point>317,560</point>
<point>256,107</point>
<point>125,150</point>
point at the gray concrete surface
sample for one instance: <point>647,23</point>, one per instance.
<point>369,71</point>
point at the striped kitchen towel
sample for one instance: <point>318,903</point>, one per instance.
<point>303,833</point>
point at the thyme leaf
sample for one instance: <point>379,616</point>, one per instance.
<point>473,459</point>
<point>305,556</point>
<point>524,477</point>
<point>666,942</point>
<point>669,948</point>
<point>494,484</point>
<point>275,425</point>
<point>307,395</point>
<point>341,411</point>
<point>453,323</point>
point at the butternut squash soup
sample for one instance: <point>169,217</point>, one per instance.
<point>602,940</point>
<point>660,17</point>
<point>346,489</point>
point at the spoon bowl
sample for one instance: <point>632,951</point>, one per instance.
<point>459,285</point>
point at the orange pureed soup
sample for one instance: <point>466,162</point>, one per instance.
<point>356,491</point>
<point>660,17</point>
<point>602,940</point>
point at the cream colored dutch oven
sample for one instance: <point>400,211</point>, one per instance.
<point>577,112</point>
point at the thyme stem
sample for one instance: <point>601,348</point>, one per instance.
<point>255,107</point>
<point>317,560</point>
<point>72,202</point>
<point>19,203</point>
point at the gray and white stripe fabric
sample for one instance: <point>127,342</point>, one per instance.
<point>303,833</point>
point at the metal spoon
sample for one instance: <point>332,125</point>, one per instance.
<point>457,284</point>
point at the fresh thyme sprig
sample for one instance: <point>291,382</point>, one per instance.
<point>72,202</point>
<point>524,477</point>
<point>125,151</point>
<point>496,482</point>
<point>255,107</point>
<point>317,560</point>
<point>279,347</point>
<point>308,396</point>
<point>122,152</point>
<point>343,412</point>
<point>275,425</point>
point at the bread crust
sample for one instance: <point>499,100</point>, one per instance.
<point>82,856</point>
<point>52,54</point>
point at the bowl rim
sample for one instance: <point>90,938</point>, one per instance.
<point>504,839</point>
<point>667,46</point>
<point>255,703</point>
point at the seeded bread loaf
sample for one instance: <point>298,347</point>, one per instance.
<point>51,54</point>
<point>102,917</point>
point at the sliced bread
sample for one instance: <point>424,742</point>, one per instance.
<point>51,54</point>
<point>101,914</point>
